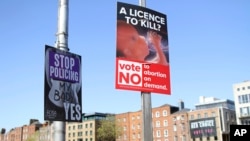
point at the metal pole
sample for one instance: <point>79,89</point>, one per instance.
<point>146,107</point>
<point>61,43</point>
<point>62,29</point>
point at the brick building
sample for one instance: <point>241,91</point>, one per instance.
<point>45,132</point>
<point>130,123</point>
<point>22,133</point>
<point>178,129</point>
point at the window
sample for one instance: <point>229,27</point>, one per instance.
<point>175,138</point>
<point>182,117</point>
<point>165,133</point>
<point>133,126</point>
<point>158,133</point>
<point>157,114</point>
<point>165,113</point>
<point>247,100</point>
<point>238,89</point>
<point>158,124</point>
<point>249,97</point>
<point>174,127</point>
<point>124,137</point>
<point>138,117</point>
<point>183,127</point>
<point>243,88</point>
<point>79,134</point>
<point>183,138</point>
<point>86,125</point>
<point>244,99</point>
<point>205,115</point>
<point>165,123</point>
<point>239,99</point>
<point>133,136</point>
<point>124,128</point>
<point>241,111</point>
<point>91,125</point>
<point>199,116</point>
<point>192,117</point>
<point>244,111</point>
<point>80,126</point>
<point>227,116</point>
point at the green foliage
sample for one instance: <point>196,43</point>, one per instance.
<point>108,130</point>
<point>33,137</point>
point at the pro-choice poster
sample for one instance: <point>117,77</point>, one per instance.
<point>142,53</point>
<point>62,98</point>
<point>204,127</point>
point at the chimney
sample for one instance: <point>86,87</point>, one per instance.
<point>3,131</point>
<point>33,120</point>
<point>181,105</point>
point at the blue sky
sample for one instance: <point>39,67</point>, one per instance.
<point>209,43</point>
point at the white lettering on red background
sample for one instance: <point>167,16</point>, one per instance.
<point>129,73</point>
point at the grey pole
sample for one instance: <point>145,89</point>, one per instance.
<point>61,43</point>
<point>62,29</point>
<point>146,107</point>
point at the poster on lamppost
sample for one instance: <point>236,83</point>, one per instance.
<point>62,86</point>
<point>142,53</point>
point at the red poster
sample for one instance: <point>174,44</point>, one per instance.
<point>142,55</point>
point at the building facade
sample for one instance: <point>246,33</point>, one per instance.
<point>211,120</point>
<point>178,129</point>
<point>22,133</point>
<point>85,130</point>
<point>241,93</point>
<point>131,124</point>
<point>2,134</point>
<point>45,132</point>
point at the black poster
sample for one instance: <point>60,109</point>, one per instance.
<point>204,127</point>
<point>62,86</point>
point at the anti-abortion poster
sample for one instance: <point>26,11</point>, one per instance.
<point>142,53</point>
<point>205,127</point>
<point>62,90</point>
